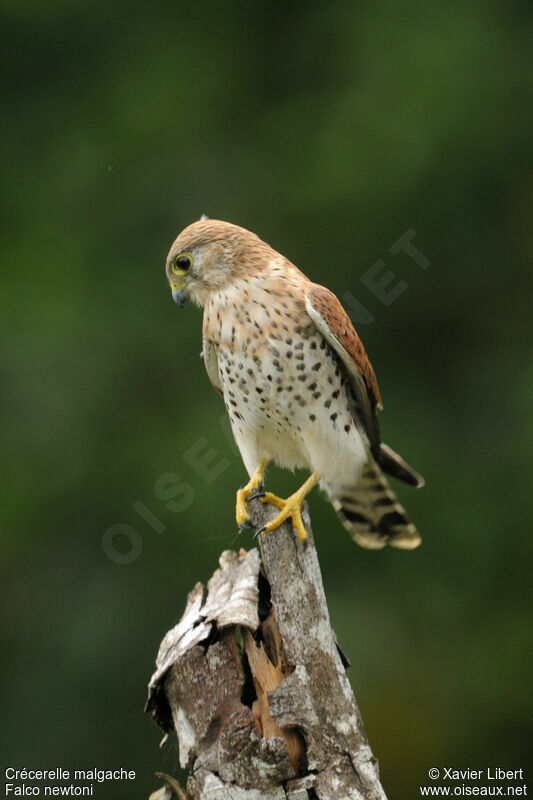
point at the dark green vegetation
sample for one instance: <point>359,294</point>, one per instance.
<point>330,130</point>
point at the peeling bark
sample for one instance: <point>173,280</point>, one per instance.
<point>252,681</point>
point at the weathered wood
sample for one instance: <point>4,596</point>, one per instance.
<point>274,718</point>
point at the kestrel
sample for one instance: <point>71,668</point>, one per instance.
<point>296,380</point>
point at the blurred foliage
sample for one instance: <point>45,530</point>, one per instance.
<point>328,129</point>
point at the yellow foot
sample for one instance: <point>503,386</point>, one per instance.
<point>291,507</point>
<point>254,488</point>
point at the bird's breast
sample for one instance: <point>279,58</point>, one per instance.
<point>283,386</point>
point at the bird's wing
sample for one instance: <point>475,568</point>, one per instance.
<point>211,363</point>
<point>336,327</point>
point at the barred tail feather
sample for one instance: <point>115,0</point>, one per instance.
<point>372,514</point>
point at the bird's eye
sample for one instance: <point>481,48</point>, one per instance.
<point>182,264</point>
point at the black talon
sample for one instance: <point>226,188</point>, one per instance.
<point>258,491</point>
<point>246,525</point>
<point>259,532</point>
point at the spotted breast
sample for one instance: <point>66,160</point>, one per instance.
<point>285,390</point>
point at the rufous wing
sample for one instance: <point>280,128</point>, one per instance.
<point>336,327</point>
<point>209,354</point>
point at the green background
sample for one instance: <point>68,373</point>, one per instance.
<point>329,129</point>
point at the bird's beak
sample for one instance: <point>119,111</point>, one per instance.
<point>178,294</point>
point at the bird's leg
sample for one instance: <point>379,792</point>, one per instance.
<point>253,488</point>
<point>291,507</point>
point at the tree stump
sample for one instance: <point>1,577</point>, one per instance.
<point>254,684</point>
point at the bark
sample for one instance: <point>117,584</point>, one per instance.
<point>254,685</point>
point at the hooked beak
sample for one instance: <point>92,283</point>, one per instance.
<point>178,295</point>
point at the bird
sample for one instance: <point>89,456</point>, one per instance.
<point>296,381</point>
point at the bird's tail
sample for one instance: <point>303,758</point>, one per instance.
<point>372,514</point>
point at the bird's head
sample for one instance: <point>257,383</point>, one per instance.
<point>209,255</point>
